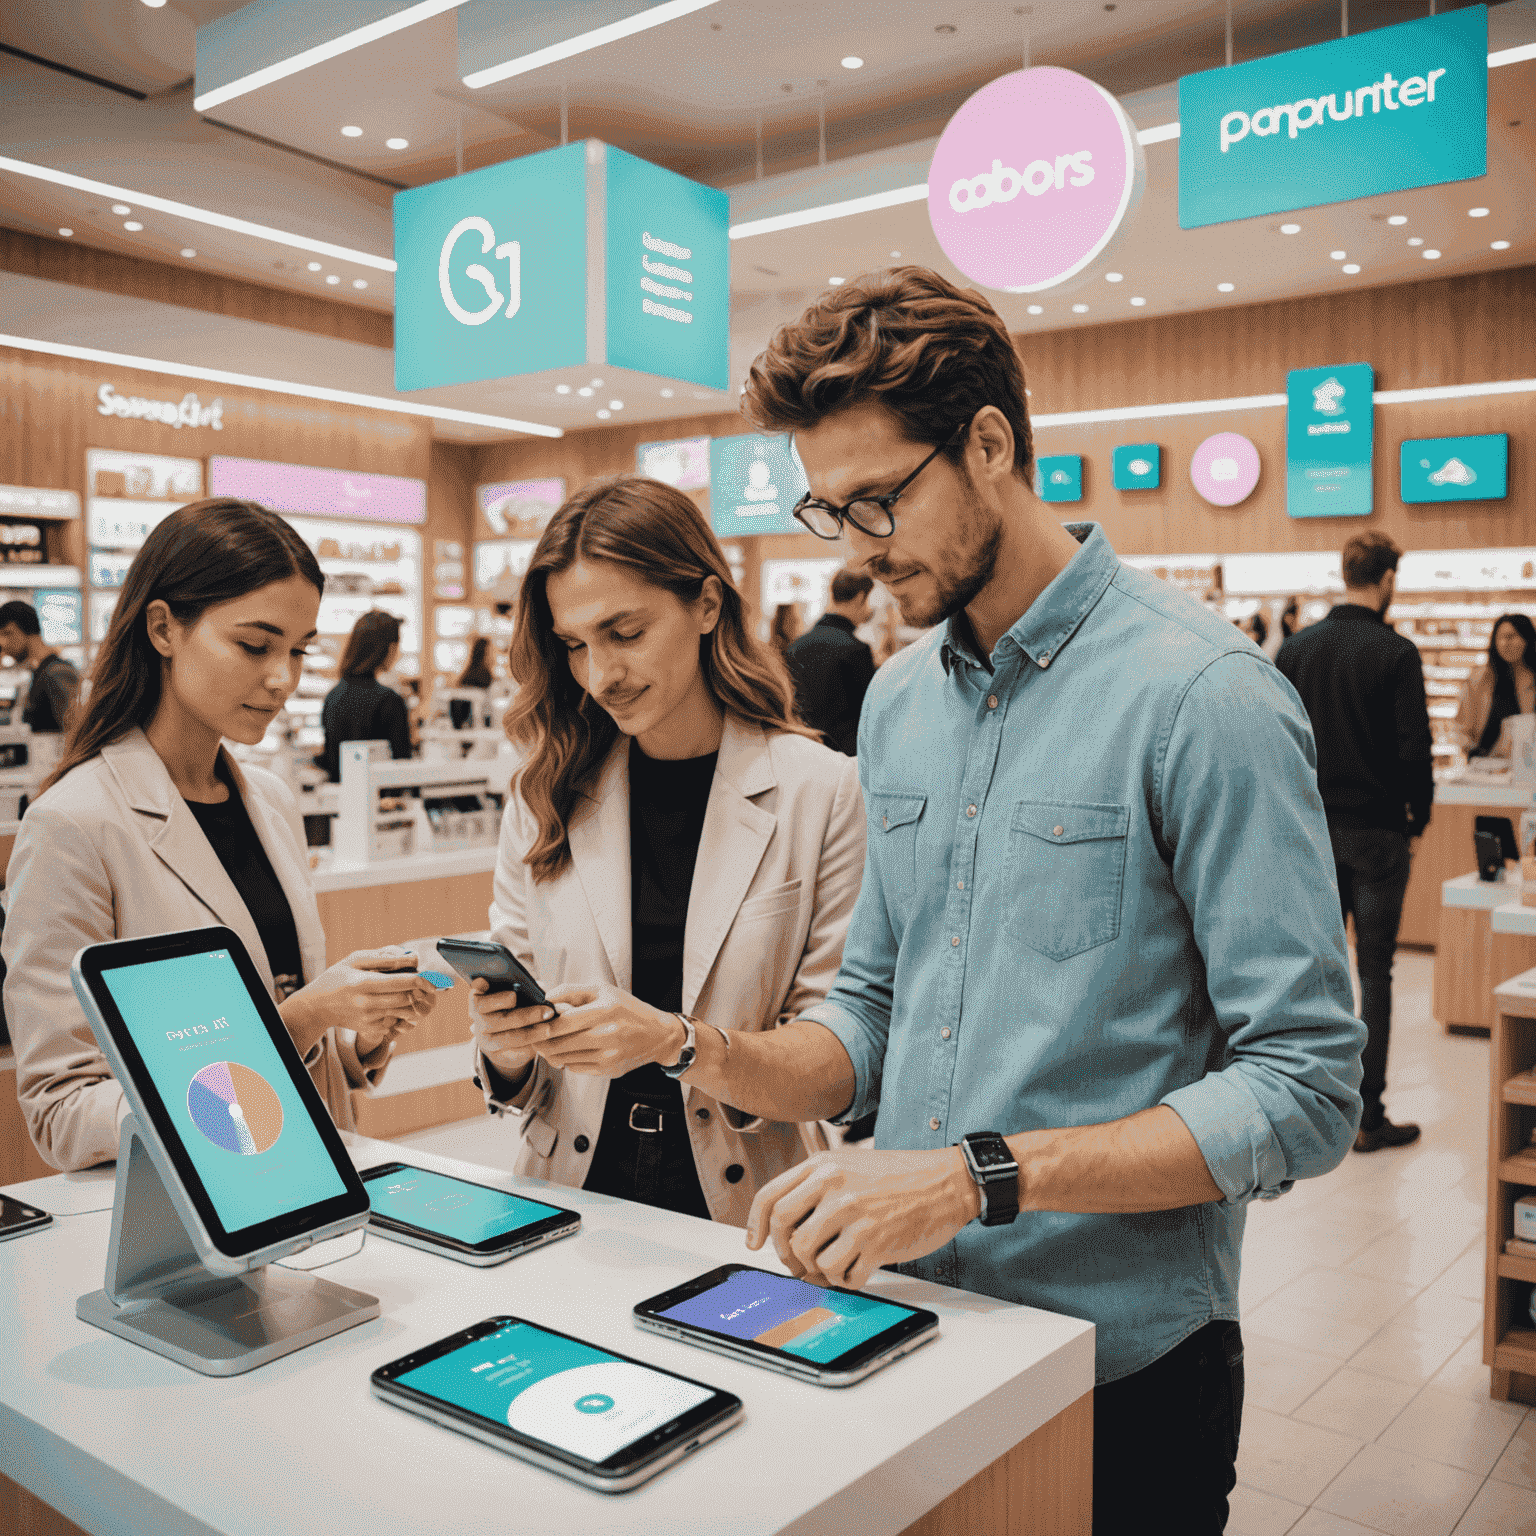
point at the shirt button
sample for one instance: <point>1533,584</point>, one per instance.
<point>1045,660</point>
<point>1056,831</point>
<point>954,943</point>
<point>933,1124</point>
<point>991,701</point>
<point>970,810</point>
<point>944,1033</point>
<point>959,885</point>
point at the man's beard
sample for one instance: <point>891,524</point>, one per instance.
<point>963,577</point>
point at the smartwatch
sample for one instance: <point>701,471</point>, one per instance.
<point>996,1173</point>
<point>690,1048</point>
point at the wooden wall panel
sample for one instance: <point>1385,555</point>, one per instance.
<point>191,287</point>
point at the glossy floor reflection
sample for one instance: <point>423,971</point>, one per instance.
<point>1367,1400</point>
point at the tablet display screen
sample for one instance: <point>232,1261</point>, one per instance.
<point>468,1213</point>
<point>228,1094</point>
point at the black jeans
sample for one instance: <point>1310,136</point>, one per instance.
<point>1373,875</point>
<point>1165,1439</point>
<point>652,1167</point>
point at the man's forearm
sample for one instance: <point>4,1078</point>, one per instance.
<point>1146,1162</point>
<point>798,1072</point>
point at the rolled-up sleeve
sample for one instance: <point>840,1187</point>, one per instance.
<point>1241,818</point>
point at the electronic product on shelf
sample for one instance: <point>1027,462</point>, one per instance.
<point>603,1419</point>
<point>18,1218</point>
<point>472,1223</point>
<point>830,1336</point>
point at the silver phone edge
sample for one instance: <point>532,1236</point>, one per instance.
<point>477,1260</point>
<point>21,1228</point>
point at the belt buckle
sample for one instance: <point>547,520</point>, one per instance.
<point>646,1130</point>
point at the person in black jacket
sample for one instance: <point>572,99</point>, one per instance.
<point>360,707</point>
<point>831,667</point>
<point>1363,686</point>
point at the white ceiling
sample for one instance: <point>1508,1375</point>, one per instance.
<point>687,95</point>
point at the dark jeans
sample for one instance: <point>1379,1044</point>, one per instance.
<point>652,1167</point>
<point>1373,875</point>
<point>1165,1439</point>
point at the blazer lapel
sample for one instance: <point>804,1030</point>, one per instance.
<point>736,835</point>
<point>599,837</point>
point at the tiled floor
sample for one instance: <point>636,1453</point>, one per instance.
<point>1367,1403</point>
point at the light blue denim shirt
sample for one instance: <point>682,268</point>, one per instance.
<point>1099,879</point>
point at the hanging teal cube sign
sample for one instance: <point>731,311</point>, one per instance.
<point>1138,467</point>
<point>1059,477</point>
<point>577,255</point>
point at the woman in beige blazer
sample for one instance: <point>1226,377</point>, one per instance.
<point>149,825</point>
<point>1505,685</point>
<point>679,854</point>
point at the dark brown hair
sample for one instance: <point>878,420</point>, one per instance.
<point>908,340</point>
<point>203,554</point>
<point>1368,557</point>
<point>657,533</point>
<point>368,645</point>
<point>476,673</point>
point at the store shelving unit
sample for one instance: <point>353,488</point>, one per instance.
<point>1509,1340</point>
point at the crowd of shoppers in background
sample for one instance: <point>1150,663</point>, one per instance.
<point>55,684</point>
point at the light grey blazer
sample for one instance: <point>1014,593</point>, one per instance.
<point>112,852</point>
<point>779,865</point>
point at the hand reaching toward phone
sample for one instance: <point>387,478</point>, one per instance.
<point>375,992</point>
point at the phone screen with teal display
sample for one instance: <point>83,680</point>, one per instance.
<point>226,1089</point>
<point>454,1208</point>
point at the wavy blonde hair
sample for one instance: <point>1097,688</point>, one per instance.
<point>655,531</point>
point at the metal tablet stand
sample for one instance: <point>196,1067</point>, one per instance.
<point>159,1294</point>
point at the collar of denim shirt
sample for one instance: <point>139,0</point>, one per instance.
<point>1054,617</point>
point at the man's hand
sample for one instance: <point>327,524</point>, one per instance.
<point>836,1218</point>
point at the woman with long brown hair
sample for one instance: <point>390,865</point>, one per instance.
<point>679,854</point>
<point>360,707</point>
<point>149,825</point>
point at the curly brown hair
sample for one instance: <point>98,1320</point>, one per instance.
<point>906,339</point>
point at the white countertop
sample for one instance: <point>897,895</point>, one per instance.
<point>1511,917</point>
<point>1475,789</point>
<point>346,876</point>
<point>1472,891</point>
<point>124,1442</point>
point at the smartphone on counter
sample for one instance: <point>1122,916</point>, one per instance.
<point>601,1419</point>
<point>472,1223</point>
<point>473,958</point>
<point>831,1337</point>
<point>17,1219</point>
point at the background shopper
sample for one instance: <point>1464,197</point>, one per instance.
<point>1503,686</point>
<point>1363,686</point>
<point>676,845</point>
<point>784,627</point>
<point>149,825</point>
<point>832,667</point>
<point>360,707</point>
<point>476,674</point>
<point>55,684</point>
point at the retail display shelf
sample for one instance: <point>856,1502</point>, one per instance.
<point>346,875</point>
<point>1520,1089</point>
<point>1516,1351</point>
<point>1475,790</point>
<point>1509,1346</point>
<point>1473,891</point>
<point>1514,1268</point>
<point>1513,917</point>
<point>1520,1169</point>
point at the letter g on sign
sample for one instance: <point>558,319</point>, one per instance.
<point>510,252</point>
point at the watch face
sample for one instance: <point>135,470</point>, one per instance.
<point>991,1153</point>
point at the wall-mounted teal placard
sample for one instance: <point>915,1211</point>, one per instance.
<point>1455,468</point>
<point>754,483</point>
<point>1138,467</point>
<point>1329,424</point>
<point>1059,477</point>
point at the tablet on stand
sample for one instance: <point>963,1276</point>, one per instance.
<point>228,1161</point>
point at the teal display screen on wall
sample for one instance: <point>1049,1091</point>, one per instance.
<point>492,272</point>
<point>1455,468</point>
<point>1389,109</point>
<point>1137,466</point>
<point>1329,425</point>
<point>1059,477</point>
<point>754,483</point>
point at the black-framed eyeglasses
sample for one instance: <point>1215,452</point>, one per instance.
<point>869,514</point>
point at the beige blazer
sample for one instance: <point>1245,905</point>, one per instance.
<point>780,860</point>
<point>1476,704</point>
<point>112,852</point>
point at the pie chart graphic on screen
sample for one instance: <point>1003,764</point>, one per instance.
<point>235,1108</point>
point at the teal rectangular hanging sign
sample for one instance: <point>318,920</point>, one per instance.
<point>1455,468</point>
<point>1329,427</point>
<point>1398,107</point>
<point>754,483</point>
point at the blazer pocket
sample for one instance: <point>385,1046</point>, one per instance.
<point>773,902</point>
<point>540,1135</point>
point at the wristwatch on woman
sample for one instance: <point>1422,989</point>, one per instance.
<point>996,1173</point>
<point>690,1048</point>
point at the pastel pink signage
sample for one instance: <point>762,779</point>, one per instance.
<point>320,492</point>
<point>1225,469</point>
<point>1033,178</point>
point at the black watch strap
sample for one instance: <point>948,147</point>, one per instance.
<point>996,1172</point>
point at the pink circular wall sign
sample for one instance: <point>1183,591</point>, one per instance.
<point>1032,179</point>
<point>1225,469</point>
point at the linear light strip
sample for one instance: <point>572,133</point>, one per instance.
<point>584,41</point>
<point>277,386</point>
<point>323,51</point>
<point>1512,55</point>
<point>917,193</point>
<point>1266,402</point>
<point>1158,135</point>
<point>197,215</point>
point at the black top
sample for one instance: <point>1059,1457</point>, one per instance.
<point>228,828</point>
<point>832,669</point>
<point>50,694</point>
<point>362,709</point>
<point>1363,686</point>
<point>667,801</point>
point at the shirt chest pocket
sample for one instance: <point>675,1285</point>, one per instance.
<point>894,817</point>
<point>1066,875</point>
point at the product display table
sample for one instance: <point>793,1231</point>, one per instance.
<point>1474,955</point>
<point>992,1423</point>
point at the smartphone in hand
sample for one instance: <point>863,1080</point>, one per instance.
<point>473,958</point>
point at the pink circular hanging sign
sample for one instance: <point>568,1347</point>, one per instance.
<point>1033,178</point>
<point>1225,469</point>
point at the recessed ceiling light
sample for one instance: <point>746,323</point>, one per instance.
<point>1338,255</point>
<point>352,131</point>
<point>397,143</point>
<point>1431,255</point>
<point>1477,213</point>
<point>853,61</point>
<point>314,266</point>
<point>121,208</point>
<point>667,394</point>
<point>584,392</point>
<point>1138,302</point>
<point>1225,287</point>
<point>359,282</point>
<point>1290,229</point>
<point>1397,218</point>
<point>1036,309</point>
<point>154,5</point>
<point>562,389</point>
<point>1351,267</point>
<point>835,282</point>
<point>597,383</point>
<point>1498,245</point>
<point>615,405</point>
<point>132,226</point>
<point>188,252</point>
<point>1079,309</point>
<point>1414,240</point>
<point>895,255</point>
<point>1114,277</point>
<point>332,279</point>
<point>66,233</point>
<point>604,415</point>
